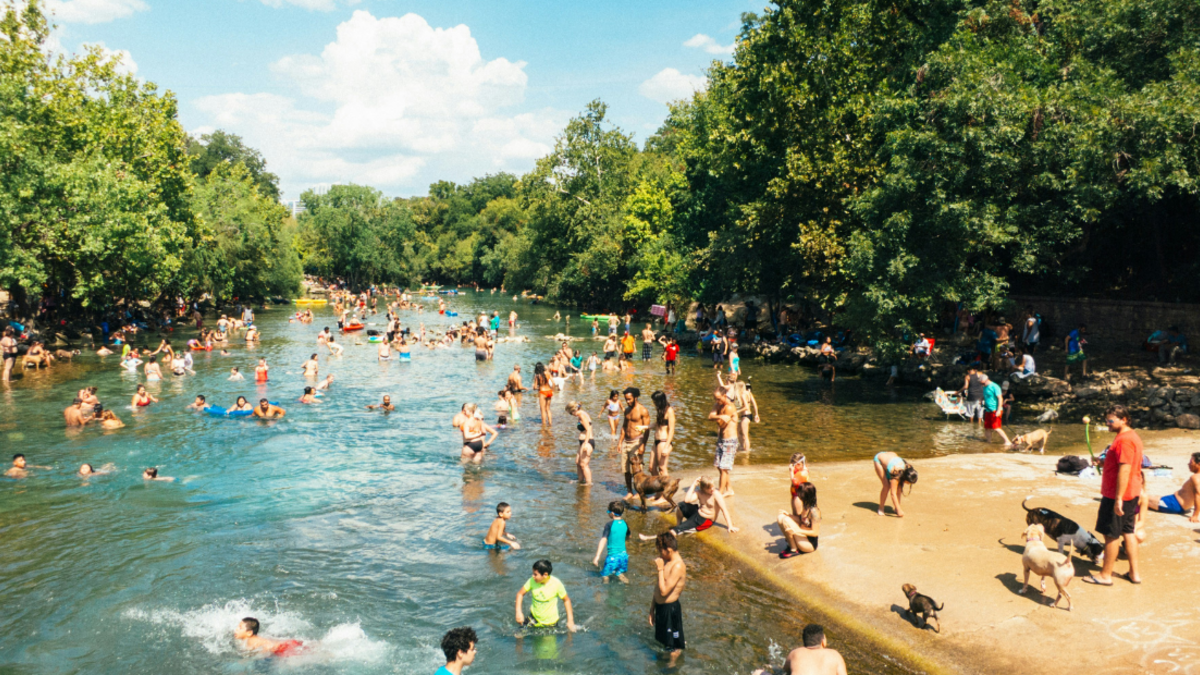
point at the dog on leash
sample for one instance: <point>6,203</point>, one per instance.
<point>922,606</point>
<point>1046,563</point>
<point>663,486</point>
<point>1066,532</point>
<point>1034,440</point>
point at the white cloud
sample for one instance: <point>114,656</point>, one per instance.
<point>319,5</point>
<point>671,85</point>
<point>702,41</point>
<point>394,103</point>
<point>94,11</point>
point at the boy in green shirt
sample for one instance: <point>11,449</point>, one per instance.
<point>545,591</point>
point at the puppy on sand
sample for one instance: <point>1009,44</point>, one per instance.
<point>1046,563</point>
<point>922,606</point>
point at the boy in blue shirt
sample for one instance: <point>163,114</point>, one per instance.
<point>616,532</point>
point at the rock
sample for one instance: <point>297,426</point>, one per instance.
<point>1041,386</point>
<point>1088,391</point>
<point>1187,421</point>
<point>1159,415</point>
<point>1194,402</point>
<point>1156,401</point>
<point>1048,416</point>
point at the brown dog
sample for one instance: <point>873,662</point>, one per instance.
<point>922,606</point>
<point>1034,440</point>
<point>64,355</point>
<point>1045,563</point>
<point>663,486</point>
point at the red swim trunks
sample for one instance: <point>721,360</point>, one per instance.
<point>991,420</point>
<point>288,648</point>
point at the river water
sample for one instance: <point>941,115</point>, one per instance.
<point>360,532</point>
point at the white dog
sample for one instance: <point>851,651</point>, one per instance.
<point>1045,563</point>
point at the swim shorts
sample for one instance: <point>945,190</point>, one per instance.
<point>646,351</point>
<point>629,448</point>
<point>1076,357</point>
<point>668,625</point>
<point>494,547</point>
<point>615,564</point>
<point>1169,504</point>
<point>726,449</point>
<point>992,419</point>
<point>1109,524</point>
<point>287,648</point>
<point>693,521</point>
<point>481,355</point>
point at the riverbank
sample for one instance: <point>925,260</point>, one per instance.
<point>960,542</point>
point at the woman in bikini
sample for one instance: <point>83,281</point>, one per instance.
<point>613,410</point>
<point>586,444</point>
<point>801,527</point>
<point>473,431</point>
<point>747,409</point>
<point>545,390</point>
<point>893,473</point>
<point>153,372</point>
<point>664,433</point>
<point>142,398</point>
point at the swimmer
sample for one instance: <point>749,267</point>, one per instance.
<point>335,349</point>
<point>199,404</point>
<point>386,406</point>
<point>235,376</point>
<point>498,535</point>
<point>247,634</point>
<point>242,404</point>
<point>19,468</point>
<point>310,396</point>
<point>142,398</point>
<point>261,371</point>
<point>226,352</point>
<point>152,474</point>
<point>109,420</point>
<point>324,386</point>
<point>310,366</point>
<point>131,361</point>
<point>385,351</point>
<point>88,470</point>
<point>252,334</point>
<point>103,351</point>
<point>470,423</point>
<point>74,414</point>
<point>267,411</point>
<point>612,409</point>
<point>152,370</point>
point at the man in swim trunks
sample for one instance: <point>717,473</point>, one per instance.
<point>647,342</point>
<point>498,537</point>
<point>632,439</point>
<point>267,411</point>
<point>247,633</point>
<point>610,347</point>
<point>19,468</point>
<point>1185,499</point>
<point>481,347</point>
<point>814,658</point>
<point>459,647</point>
<point>666,614</point>
<point>725,415</point>
<point>74,415</point>
<point>514,383</point>
<point>386,406</point>
<point>700,509</point>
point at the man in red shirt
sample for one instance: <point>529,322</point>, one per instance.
<point>1120,487</point>
<point>670,353</point>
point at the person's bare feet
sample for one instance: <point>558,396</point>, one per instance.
<point>728,493</point>
<point>624,579</point>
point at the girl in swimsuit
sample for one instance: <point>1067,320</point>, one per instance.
<point>893,477</point>
<point>613,410</point>
<point>747,409</point>
<point>801,527</point>
<point>583,458</point>
<point>260,373</point>
<point>142,398</point>
<point>664,433</point>
<point>545,390</point>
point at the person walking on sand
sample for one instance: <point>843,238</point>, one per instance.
<point>993,414</point>
<point>894,473</point>
<point>725,415</point>
<point>1120,490</point>
<point>459,647</point>
<point>814,658</point>
<point>666,614</point>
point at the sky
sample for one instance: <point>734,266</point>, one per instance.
<point>399,94</point>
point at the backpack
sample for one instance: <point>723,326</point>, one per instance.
<point>1072,464</point>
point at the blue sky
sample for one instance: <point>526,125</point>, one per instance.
<point>399,94</point>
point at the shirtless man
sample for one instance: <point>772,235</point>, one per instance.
<point>514,383</point>
<point>700,508</point>
<point>481,347</point>
<point>386,406</point>
<point>666,614</point>
<point>247,634</point>
<point>814,658</point>
<point>647,342</point>
<point>632,439</point>
<point>1185,498</point>
<point>725,415</point>
<point>385,351</point>
<point>20,469</point>
<point>267,411</point>
<point>74,414</point>
<point>8,351</point>
<point>610,347</point>
<point>334,348</point>
<point>199,404</point>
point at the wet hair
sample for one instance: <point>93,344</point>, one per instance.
<point>151,472</point>
<point>1196,457</point>
<point>908,476</point>
<point>633,391</point>
<point>814,634</point>
<point>241,400</point>
<point>90,468</point>
<point>18,456</point>
<point>308,390</point>
<point>616,507</point>
<point>539,368</point>
<point>458,640</point>
<point>662,405</point>
<point>500,507</point>
<point>614,393</point>
<point>263,400</point>
<point>251,624</point>
<point>201,397</point>
<point>807,494</point>
<point>573,407</point>
<point>666,541</point>
<point>543,567</point>
<point>1118,411</point>
<point>313,356</point>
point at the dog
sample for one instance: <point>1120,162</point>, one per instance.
<point>1045,563</point>
<point>1035,439</point>
<point>1066,532</point>
<point>64,355</point>
<point>922,606</point>
<point>663,486</point>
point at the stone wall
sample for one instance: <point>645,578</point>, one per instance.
<point>1112,324</point>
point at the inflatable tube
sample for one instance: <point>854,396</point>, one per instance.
<point>202,349</point>
<point>375,338</point>
<point>351,327</point>
<point>218,411</point>
<point>598,317</point>
<point>451,313</point>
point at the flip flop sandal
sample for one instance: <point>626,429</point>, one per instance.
<point>1126,578</point>
<point>1095,582</point>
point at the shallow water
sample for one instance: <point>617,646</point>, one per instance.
<point>360,532</point>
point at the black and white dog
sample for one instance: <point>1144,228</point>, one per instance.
<point>1066,532</point>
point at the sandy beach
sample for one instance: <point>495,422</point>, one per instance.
<point>960,542</point>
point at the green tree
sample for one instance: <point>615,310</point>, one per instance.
<point>222,148</point>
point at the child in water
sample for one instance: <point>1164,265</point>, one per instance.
<point>545,591</point>
<point>235,376</point>
<point>247,634</point>
<point>498,536</point>
<point>616,532</point>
